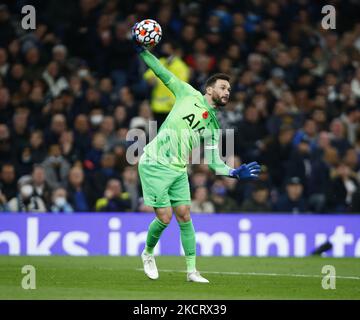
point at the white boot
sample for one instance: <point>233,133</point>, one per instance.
<point>196,277</point>
<point>150,268</point>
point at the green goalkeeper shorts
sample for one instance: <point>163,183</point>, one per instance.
<point>163,186</point>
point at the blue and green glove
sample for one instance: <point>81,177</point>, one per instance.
<point>246,171</point>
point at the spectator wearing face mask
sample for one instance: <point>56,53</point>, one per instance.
<point>26,200</point>
<point>60,203</point>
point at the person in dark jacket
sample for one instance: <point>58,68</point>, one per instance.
<point>341,189</point>
<point>114,200</point>
<point>292,201</point>
<point>80,194</point>
<point>8,180</point>
<point>259,200</point>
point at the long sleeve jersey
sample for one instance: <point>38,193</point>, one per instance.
<point>191,120</point>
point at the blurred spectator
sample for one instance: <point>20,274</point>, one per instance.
<point>4,65</point>
<point>276,84</point>
<point>200,203</point>
<point>20,131</point>
<point>59,203</point>
<point>41,187</point>
<point>3,203</point>
<point>351,119</point>
<point>82,138</point>
<point>37,147</point>
<point>5,106</point>
<point>131,184</point>
<point>308,133</point>
<point>53,78</point>
<point>343,186</point>
<point>107,127</point>
<point>60,56</point>
<point>56,167</point>
<point>338,136</point>
<point>93,157</point>
<point>300,163</point>
<point>251,131</point>
<point>80,193</point>
<point>351,159</point>
<point>320,179</point>
<point>355,84</point>
<point>68,150</point>
<point>8,181</point>
<point>355,205</point>
<point>26,200</point>
<point>7,29</point>
<point>220,199</point>
<point>259,201</point>
<point>276,154</point>
<point>114,199</point>
<point>292,201</point>
<point>162,99</point>
<point>121,49</point>
<point>105,172</point>
<point>34,65</point>
<point>57,127</point>
<point>198,179</point>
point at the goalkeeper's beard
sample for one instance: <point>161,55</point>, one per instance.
<point>219,102</point>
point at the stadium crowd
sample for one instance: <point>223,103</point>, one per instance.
<point>71,90</point>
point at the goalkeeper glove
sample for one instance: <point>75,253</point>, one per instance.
<point>246,171</point>
<point>138,47</point>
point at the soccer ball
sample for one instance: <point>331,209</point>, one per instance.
<point>148,33</point>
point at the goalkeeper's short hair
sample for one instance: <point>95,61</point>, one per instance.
<point>217,76</point>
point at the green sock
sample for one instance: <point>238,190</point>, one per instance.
<point>187,233</point>
<point>156,228</point>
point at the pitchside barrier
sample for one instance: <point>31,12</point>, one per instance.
<point>116,234</point>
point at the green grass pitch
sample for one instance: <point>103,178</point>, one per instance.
<point>230,278</point>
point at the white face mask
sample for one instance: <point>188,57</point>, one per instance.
<point>27,191</point>
<point>96,119</point>
<point>60,201</point>
<point>82,73</point>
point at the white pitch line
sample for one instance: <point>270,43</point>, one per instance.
<point>233,273</point>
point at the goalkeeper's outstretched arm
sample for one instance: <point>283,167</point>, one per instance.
<point>214,161</point>
<point>171,81</point>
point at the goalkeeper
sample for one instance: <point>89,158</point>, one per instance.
<point>162,167</point>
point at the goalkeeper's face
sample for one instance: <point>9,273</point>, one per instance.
<point>220,92</point>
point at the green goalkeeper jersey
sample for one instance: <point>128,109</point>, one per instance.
<point>190,121</point>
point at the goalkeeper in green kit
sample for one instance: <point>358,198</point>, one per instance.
<point>163,165</point>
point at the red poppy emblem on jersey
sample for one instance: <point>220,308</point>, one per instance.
<point>205,115</point>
